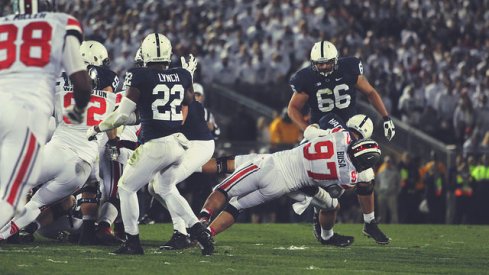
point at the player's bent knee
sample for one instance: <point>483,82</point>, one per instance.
<point>324,201</point>
<point>365,188</point>
<point>232,210</point>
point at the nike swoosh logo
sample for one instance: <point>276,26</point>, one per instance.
<point>338,79</point>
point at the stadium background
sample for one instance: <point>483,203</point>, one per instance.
<point>427,59</point>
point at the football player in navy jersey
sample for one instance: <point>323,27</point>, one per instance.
<point>159,95</point>
<point>330,85</point>
<point>200,150</point>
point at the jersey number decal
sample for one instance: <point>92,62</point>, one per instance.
<point>172,111</point>
<point>322,151</point>
<point>96,106</point>
<point>35,48</point>
<point>339,100</point>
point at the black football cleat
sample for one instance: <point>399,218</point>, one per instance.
<point>87,234</point>
<point>316,226</point>
<point>105,236</point>
<point>132,246</point>
<point>203,236</point>
<point>372,230</point>
<point>338,240</point>
<point>178,241</point>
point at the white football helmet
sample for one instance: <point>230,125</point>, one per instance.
<point>156,48</point>
<point>33,6</point>
<point>138,59</point>
<point>94,53</point>
<point>362,124</point>
<point>324,52</point>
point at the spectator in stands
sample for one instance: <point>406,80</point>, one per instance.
<point>388,182</point>
<point>434,176</point>
<point>284,134</point>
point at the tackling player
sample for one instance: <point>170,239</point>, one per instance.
<point>37,43</point>
<point>329,160</point>
<point>329,85</point>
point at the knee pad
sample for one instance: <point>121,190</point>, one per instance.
<point>365,188</point>
<point>232,210</point>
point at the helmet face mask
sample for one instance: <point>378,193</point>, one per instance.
<point>364,153</point>
<point>324,57</point>
<point>138,59</point>
<point>156,48</point>
<point>33,6</point>
<point>361,124</point>
<point>94,53</point>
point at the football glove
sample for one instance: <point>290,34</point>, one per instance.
<point>191,65</point>
<point>74,114</point>
<point>92,133</point>
<point>389,129</point>
<point>112,148</point>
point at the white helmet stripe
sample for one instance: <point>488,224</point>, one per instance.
<point>34,7</point>
<point>21,6</point>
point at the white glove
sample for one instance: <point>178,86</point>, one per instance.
<point>91,133</point>
<point>74,114</point>
<point>191,65</point>
<point>312,131</point>
<point>389,129</point>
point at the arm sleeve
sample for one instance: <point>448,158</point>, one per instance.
<point>72,61</point>
<point>122,116</point>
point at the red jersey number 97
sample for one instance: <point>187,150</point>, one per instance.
<point>321,152</point>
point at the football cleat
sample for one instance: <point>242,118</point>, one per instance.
<point>372,230</point>
<point>87,234</point>
<point>129,249</point>
<point>203,236</point>
<point>316,226</point>
<point>105,236</point>
<point>338,240</point>
<point>178,241</point>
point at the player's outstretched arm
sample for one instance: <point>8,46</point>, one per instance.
<point>294,109</point>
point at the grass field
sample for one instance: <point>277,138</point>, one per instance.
<point>269,249</point>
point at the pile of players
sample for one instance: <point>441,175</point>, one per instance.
<point>105,146</point>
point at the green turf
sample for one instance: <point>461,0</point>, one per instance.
<point>269,249</point>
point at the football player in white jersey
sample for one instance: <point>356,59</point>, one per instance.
<point>36,46</point>
<point>360,126</point>
<point>328,160</point>
<point>75,156</point>
<point>116,153</point>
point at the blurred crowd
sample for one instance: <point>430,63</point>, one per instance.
<point>428,59</point>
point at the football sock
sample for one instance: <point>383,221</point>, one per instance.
<point>179,225</point>
<point>367,218</point>
<point>6,213</point>
<point>327,234</point>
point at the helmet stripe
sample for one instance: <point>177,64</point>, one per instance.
<point>363,122</point>
<point>157,45</point>
<point>34,6</point>
<point>322,49</point>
